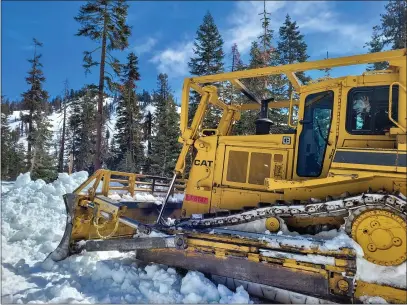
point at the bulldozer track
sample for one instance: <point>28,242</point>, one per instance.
<point>338,207</point>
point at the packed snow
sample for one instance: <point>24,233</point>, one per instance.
<point>372,300</point>
<point>145,197</point>
<point>33,220</point>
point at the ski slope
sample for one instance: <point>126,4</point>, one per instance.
<point>33,220</point>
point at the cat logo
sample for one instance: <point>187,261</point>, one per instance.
<point>203,162</point>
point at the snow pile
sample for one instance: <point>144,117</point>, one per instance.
<point>387,275</point>
<point>372,300</point>
<point>145,197</point>
<point>33,216</point>
<point>33,220</point>
<point>336,239</point>
<point>6,186</point>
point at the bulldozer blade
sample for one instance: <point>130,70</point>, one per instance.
<point>308,283</point>
<point>63,250</point>
<point>128,244</point>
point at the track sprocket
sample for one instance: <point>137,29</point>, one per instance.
<point>381,232</point>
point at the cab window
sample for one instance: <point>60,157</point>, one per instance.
<point>367,111</point>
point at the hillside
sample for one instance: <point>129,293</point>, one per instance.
<point>56,120</point>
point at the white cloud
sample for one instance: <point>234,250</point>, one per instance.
<point>174,61</point>
<point>312,17</point>
<point>146,46</point>
<point>324,27</point>
<point>246,24</point>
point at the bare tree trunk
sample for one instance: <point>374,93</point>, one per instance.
<point>33,160</point>
<point>30,139</point>
<point>62,150</point>
<point>70,166</point>
<point>99,115</point>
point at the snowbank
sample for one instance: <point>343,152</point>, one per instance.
<point>33,220</point>
<point>145,197</point>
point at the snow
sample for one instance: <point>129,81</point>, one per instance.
<point>56,120</point>
<point>33,220</point>
<point>336,239</point>
<point>372,300</point>
<point>149,108</point>
<point>308,258</point>
<point>145,197</point>
<point>387,275</point>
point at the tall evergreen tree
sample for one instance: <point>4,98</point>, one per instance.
<point>208,59</point>
<point>291,49</point>
<point>165,147</point>
<point>231,94</point>
<point>376,44</point>
<point>81,141</point>
<point>392,31</point>
<point>64,105</point>
<point>262,54</point>
<point>103,21</point>
<point>393,24</point>
<point>237,63</point>
<point>129,155</point>
<point>12,152</point>
<point>39,135</point>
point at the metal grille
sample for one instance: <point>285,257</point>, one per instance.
<point>237,166</point>
<point>260,165</point>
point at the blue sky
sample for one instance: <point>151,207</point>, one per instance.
<point>163,34</point>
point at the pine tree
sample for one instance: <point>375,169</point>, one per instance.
<point>392,32</point>
<point>262,54</point>
<point>39,135</point>
<point>208,59</point>
<point>291,49</point>
<point>237,63</point>
<point>393,24</point>
<point>231,95</point>
<point>82,126</point>
<point>103,21</point>
<point>12,152</point>
<point>86,132</point>
<point>64,104</point>
<point>5,146</point>
<point>165,147</point>
<point>376,45</point>
<point>129,155</point>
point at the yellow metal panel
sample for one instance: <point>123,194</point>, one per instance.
<point>390,294</point>
<point>368,143</point>
<point>273,184</point>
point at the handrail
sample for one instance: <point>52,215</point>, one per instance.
<point>290,111</point>
<point>391,104</point>
<point>303,66</point>
<point>129,183</point>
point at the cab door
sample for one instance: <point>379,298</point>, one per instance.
<point>316,135</point>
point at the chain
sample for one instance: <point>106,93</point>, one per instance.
<point>336,207</point>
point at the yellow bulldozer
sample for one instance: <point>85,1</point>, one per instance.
<point>342,166</point>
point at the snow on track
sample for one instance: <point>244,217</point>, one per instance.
<point>33,220</point>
